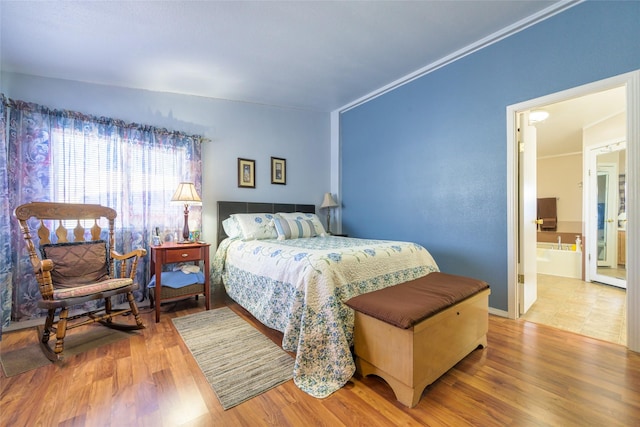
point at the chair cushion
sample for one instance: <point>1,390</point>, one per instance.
<point>94,288</point>
<point>77,263</point>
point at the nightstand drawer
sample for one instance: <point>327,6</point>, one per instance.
<point>180,255</point>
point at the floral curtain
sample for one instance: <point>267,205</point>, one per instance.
<point>5,219</point>
<point>65,156</point>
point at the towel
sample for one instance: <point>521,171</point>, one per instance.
<point>177,279</point>
<point>547,211</point>
<point>548,224</point>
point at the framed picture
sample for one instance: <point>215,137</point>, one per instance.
<point>167,236</point>
<point>246,173</point>
<point>278,171</point>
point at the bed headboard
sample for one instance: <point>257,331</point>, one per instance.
<point>225,209</point>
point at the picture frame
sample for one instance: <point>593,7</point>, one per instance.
<point>157,237</point>
<point>278,171</point>
<point>167,236</point>
<point>246,173</point>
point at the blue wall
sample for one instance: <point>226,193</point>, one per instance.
<point>426,162</point>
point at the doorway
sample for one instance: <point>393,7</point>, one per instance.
<point>553,152</point>
<point>630,85</point>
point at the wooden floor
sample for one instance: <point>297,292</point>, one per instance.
<point>530,375</point>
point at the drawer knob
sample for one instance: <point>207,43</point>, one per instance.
<point>185,255</point>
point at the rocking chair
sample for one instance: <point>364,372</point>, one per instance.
<point>71,273</point>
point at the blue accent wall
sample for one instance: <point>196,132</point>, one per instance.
<point>426,162</point>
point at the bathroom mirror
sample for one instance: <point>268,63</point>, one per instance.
<point>608,206</point>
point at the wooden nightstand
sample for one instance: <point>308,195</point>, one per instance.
<point>169,253</point>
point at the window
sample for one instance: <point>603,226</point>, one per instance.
<point>127,175</point>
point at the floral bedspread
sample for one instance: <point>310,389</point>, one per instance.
<point>298,288</point>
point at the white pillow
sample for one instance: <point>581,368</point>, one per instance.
<point>256,226</point>
<point>294,228</point>
<point>317,224</point>
<point>231,227</point>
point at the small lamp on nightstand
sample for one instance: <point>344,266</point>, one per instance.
<point>186,194</point>
<point>328,203</point>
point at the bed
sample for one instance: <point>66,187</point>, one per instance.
<point>298,286</point>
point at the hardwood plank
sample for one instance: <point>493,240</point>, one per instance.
<point>100,396</point>
<point>528,375</point>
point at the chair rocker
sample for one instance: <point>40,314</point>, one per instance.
<point>73,272</point>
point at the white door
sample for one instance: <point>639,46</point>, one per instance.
<point>602,221</point>
<point>607,208</point>
<point>527,239</point>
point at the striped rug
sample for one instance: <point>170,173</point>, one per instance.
<point>237,360</point>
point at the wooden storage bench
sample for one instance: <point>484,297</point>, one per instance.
<point>412,333</point>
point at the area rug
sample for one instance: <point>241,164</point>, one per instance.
<point>237,360</point>
<point>20,360</point>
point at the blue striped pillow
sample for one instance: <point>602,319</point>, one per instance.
<point>317,224</point>
<point>294,228</point>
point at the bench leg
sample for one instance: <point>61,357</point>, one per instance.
<point>406,395</point>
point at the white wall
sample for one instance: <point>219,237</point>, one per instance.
<point>561,177</point>
<point>613,128</point>
<point>236,129</point>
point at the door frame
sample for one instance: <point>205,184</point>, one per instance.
<point>632,83</point>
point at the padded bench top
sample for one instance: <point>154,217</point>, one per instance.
<point>409,303</point>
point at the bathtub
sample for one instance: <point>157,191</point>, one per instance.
<point>555,262</point>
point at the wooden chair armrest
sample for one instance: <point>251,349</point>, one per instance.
<point>46,265</point>
<point>43,276</point>
<point>134,253</point>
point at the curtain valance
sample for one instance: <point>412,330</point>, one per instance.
<point>107,121</point>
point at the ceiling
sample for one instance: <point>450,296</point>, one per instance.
<point>561,132</point>
<point>315,55</point>
<point>311,55</point>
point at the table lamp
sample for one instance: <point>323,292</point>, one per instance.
<point>186,194</point>
<point>327,204</point>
